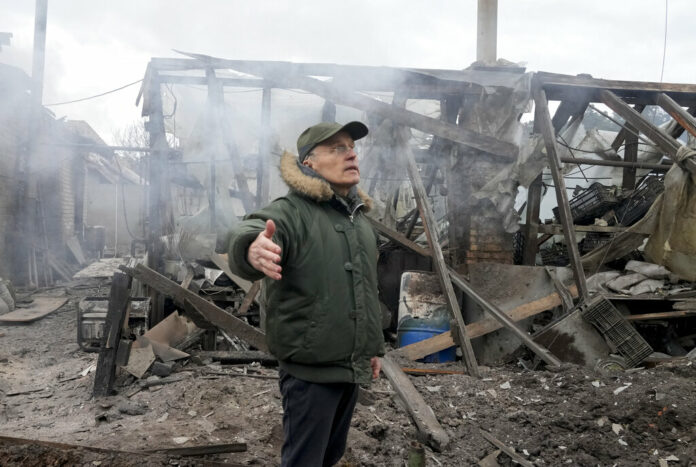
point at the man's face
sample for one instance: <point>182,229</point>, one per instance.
<point>336,161</point>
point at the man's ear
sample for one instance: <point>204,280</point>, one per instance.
<point>307,163</point>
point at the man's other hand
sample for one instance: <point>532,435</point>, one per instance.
<point>376,364</point>
<point>263,254</point>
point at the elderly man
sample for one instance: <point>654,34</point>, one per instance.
<point>318,254</point>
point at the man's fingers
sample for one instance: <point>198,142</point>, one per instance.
<point>267,244</point>
<point>270,229</point>
<point>273,273</point>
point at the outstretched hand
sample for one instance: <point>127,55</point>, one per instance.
<point>264,255</point>
<point>376,365</point>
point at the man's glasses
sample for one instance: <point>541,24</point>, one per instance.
<point>342,150</point>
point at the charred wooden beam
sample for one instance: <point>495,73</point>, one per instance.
<point>659,136</point>
<point>429,429</point>
<point>531,229</point>
<point>558,87</point>
<point>115,317</point>
<point>430,227</point>
<point>201,450</point>
<point>682,117</point>
<point>561,195</point>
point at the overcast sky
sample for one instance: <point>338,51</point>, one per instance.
<point>95,46</point>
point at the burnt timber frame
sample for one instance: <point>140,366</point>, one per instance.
<point>344,87</point>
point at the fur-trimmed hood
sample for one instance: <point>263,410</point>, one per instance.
<point>307,182</point>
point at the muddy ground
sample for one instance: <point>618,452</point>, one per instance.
<point>573,416</point>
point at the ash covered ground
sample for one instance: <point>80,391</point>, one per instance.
<point>572,416</point>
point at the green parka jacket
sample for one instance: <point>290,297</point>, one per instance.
<point>323,320</point>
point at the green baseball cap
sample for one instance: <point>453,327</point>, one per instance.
<point>314,135</point>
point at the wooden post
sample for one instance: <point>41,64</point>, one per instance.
<point>430,226</point>
<point>561,196</point>
<point>328,112</point>
<point>216,99</point>
<point>115,317</point>
<point>487,31</point>
<point>159,215</point>
<point>263,183</point>
<point>630,155</point>
<point>572,108</point>
<point>531,225</point>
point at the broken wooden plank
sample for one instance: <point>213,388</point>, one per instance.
<point>480,328</point>
<point>542,118</point>
<point>506,449</point>
<point>212,313</point>
<point>39,308</point>
<point>429,428</point>
<point>661,315</point>
<point>430,227</point>
<point>115,317</point>
<point>140,360</point>
<point>201,450</point>
<point>147,457</point>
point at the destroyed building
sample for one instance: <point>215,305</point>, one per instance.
<point>502,247</point>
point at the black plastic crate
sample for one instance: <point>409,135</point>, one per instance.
<point>593,202</point>
<point>634,207</point>
<point>595,240</point>
<point>555,255</point>
<point>616,329</point>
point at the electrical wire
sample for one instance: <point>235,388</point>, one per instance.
<point>622,125</point>
<point>573,154</point>
<point>95,96</point>
<point>664,43</point>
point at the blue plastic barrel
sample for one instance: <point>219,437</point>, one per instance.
<point>411,330</point>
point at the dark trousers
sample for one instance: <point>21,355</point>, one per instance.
<point>316,419</point>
